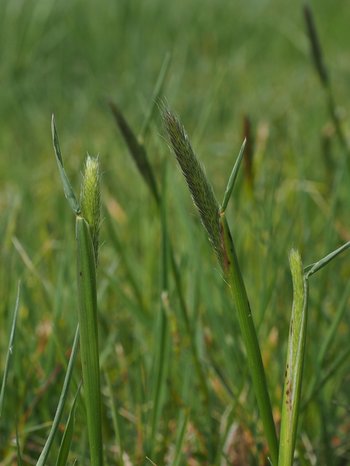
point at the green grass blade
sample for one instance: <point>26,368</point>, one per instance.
<point>155,97</point>
<point>136,149</point>
<point>10,349</point>
<point>294,364</point>
<point>61,402</point>
<point>233,177</point>
<point>89,350</point>
<point>67,187</point>
<point>66,442</point>
<point>311,269</point>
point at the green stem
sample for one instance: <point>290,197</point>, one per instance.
<point>250,339</point>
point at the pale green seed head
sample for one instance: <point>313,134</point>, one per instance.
<point>90,198</point>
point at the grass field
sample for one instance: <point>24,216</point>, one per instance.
<point>176,387</point>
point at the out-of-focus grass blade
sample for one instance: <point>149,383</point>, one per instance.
<point>233,176</point>
<point>162,335</point>
<point>63,451</point>
<point>87,295</point>
<point>182,424</point>
<point>155,97</point>
<point>67,187</point>
<point>136,150</point>
<point>61,402</point>
<point>294,364</point>
<point>18,448</point>
<point>10,348</point>
<point>115,421</point>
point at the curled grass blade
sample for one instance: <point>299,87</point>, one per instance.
<point>294,364</point>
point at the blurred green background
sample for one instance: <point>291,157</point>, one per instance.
<point>229,60</point>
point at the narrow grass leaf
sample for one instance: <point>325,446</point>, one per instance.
<point>61,402</point>
<point>233,177</point>
<point>294,363</point>
<point>157,91</point>
<point>313,268</point>
<point>67,187</point>
<point>87,296</point>
<point>10,348</point>
<point>66,442</point>
<point>136,149</point>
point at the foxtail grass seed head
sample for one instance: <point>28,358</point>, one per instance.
<point>90,199</point>
<point>201,191</point>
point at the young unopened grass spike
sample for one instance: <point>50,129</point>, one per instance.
<point>90,199</point>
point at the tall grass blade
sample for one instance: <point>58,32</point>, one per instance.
<point>87,296</point>
<point>10,349</point>
<point>136,149</point>
<point>67,187</point>
<point>294,364</point>
<point>66,442</point>
<point>61,402</point>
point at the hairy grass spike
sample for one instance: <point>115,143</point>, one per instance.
<point>90,199</point>
<point>201,191</point>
